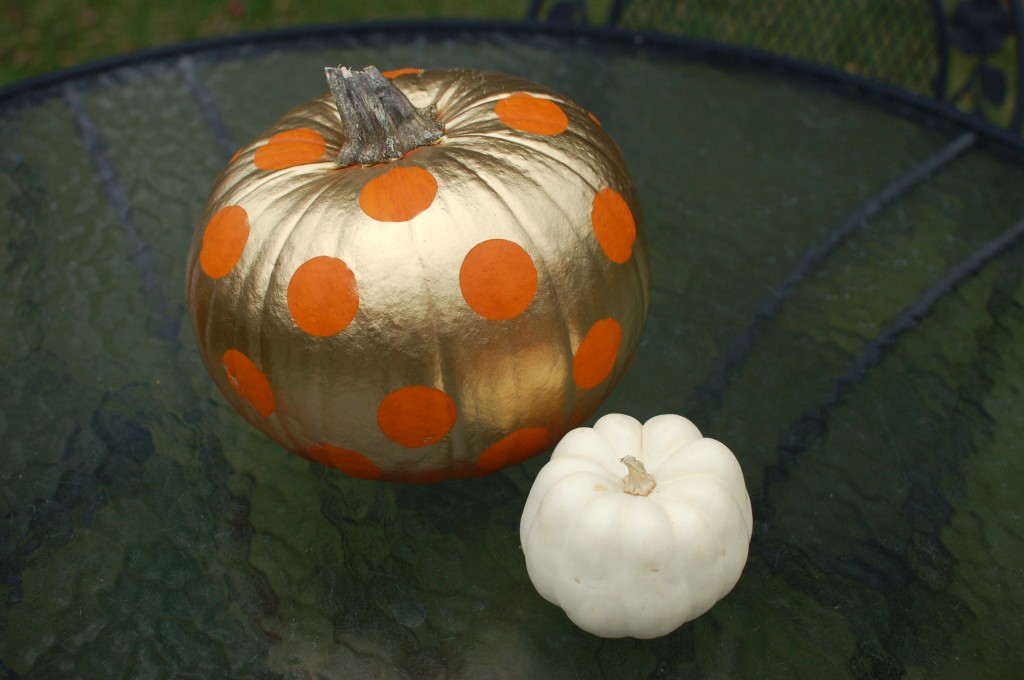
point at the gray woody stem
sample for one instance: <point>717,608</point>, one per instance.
<point>638,481</point>
<point>380,123</point>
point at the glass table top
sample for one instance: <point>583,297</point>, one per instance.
<point>837,295</point>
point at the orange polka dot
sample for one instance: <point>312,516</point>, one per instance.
<point>290,148</point>
<point>352,463</point>
<point>249,381</point>
<point>434,476</point>
<point>613,225</point>
<point>527,113</point>
<point>515,448</point>
<point>398,195</point>
<point>498,279</point>
<point>594,118</point>
<point>224,241</point>
<point>322,296</point>
<point>416,416</point>
<point>595,358</point>
<point>394,73</point>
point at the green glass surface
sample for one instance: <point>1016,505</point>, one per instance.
<point>148,531</point>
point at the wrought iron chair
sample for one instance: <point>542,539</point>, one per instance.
<point>967,53</point>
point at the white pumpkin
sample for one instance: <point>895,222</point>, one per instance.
<point>636,529</point>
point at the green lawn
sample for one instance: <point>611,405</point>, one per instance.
<point>39,36</point>
<point>888,40</point>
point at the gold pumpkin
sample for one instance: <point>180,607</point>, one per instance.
<point>421,275</point>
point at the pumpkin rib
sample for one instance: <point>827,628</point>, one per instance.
<point>451,101</point>
<point>540,144</point>
<point>537,146</point>
<point>455,97</point>
<point>583,510</point>
<point>583,234</point>
<point>709,527</point>
<point>252,182</point>
<point>716,480</point>
<point>451,112</point>
<point>442,361</point>
<point>296,218</point>
<point>579,234</point>
<point>249,282</point>
<point>539,259</point>
<point>218,291</point>
<point>538,255</point>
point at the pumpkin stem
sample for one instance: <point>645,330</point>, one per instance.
<point>638,481</point>
<point>381,124</point>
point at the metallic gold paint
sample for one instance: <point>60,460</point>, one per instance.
<point>415,326</point>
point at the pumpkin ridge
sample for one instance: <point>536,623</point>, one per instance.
<point>709,528</point>
<point>539,258</point>
<point>260,182</point>
<point>296,219</point>
<point>451,104</point>
<point>456,95</point>
<point>251,182</point>
<point>581,512</point>
<point>442,361</point>
<point>536,147</point>
<point>581,234</point>
<point>708,477</point>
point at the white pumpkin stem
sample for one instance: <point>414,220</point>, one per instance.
<point>638,481</point>
<point>381,124</point>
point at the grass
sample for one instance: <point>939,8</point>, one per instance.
<point>39,36</point>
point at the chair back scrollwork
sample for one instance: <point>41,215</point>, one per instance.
<point>966,53</point>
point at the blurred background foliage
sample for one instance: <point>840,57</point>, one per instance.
<point>38,36</point>
<point>889,40</point>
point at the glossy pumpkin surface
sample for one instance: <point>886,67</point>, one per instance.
<point>444,314</point>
